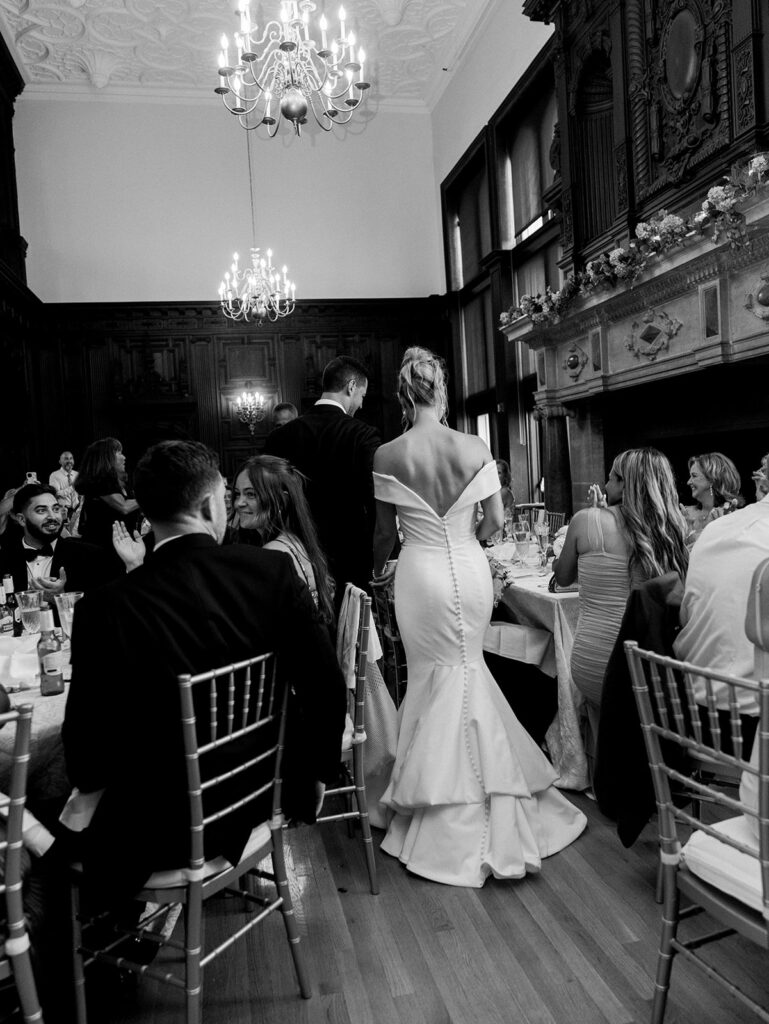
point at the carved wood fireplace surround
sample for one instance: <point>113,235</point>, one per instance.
<point>680,358</point>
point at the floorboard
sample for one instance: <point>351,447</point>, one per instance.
<point>575,944</point>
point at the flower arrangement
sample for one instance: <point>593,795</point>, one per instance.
<point>718,215</point>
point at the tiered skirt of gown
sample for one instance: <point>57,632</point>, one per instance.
<point>471,793</point>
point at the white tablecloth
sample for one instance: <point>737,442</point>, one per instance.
<point>531,605</point>
<point>47,778</point>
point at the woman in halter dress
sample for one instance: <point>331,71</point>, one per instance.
<point>640,533</point>
<point>471,793</point>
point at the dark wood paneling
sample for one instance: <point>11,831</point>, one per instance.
<point>142,371</point>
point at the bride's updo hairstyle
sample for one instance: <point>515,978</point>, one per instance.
<point>421,381</point>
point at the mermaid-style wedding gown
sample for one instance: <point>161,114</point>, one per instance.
<point>471,791</point>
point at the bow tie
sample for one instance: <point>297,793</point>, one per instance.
<point>46,551</point>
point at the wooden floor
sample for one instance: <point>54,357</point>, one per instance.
<point>576,943</point>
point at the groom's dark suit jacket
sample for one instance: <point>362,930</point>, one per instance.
<point>336,454</point>
<point>192,607</point>
<point>84,564</point>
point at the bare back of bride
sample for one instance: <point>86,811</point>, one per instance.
<point>471,793</point>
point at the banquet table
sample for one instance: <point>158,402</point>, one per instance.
<point>527,598</point>
<point>47,776</point>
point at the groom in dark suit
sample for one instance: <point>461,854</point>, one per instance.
<point>192,607</point>
<point>35,554</point>
<point>336,454</point>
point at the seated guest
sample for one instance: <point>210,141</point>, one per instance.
<point>715,487</point>
<point>37,556</point>
<point>505,479</point>
<point>761,479</point>
<point>715,599</point>
<point>269,498</point>
<point>638,535</point>
<point>101,482</point>
<point>283,413</point>
<point>193,606</point>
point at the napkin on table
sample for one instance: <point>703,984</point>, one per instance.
<point>18,661</point>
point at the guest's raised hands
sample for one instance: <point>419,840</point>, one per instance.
<point>596,497</point>
<point>130,549</point>
<point>50,585</point>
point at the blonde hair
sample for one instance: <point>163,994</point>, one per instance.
<point>421,381</point>
<point>655,525</point>
<point>721,474</point>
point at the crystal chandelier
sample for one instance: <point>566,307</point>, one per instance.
<point>250,407</point>
<point>281,72</point>
<point>258,291</point>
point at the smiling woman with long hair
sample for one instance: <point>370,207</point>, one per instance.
<point>269,497</point>
<point>639,534</point>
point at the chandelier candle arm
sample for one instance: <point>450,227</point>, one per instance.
<point>283,63</point>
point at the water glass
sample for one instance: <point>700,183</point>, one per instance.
<point>65,606</point>
<point>543,536</point>
<point>30,604</point>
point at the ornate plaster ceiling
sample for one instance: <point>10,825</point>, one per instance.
<point>171,45</point>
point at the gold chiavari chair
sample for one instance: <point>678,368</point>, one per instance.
<point>353,784</point>
<point>15,960</point>
<point>243,726</point>
<point>722,867</point>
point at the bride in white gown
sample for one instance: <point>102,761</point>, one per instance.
<point>471,792</point>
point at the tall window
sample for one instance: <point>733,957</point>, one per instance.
<point>525,168</point>
<point>501,240</point>
<point>593,148</point>
<point>469,212</point>
<point>537,269</point>
<point>478,375</point>
<point>478,343</point>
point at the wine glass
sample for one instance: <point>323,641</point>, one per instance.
<point>29,609</point>
<point>530,554</point>
<point>542,533</point>
<point>65,605</point>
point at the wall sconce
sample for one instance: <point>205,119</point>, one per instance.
<point>250,407</point>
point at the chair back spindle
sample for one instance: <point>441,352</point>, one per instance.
<point>16,958</point>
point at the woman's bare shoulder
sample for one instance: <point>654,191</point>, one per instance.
<point>387,455</point>
<point>472,446</point>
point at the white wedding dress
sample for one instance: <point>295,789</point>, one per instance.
<point>471,791</point>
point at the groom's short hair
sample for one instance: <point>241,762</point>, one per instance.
<point>342,369</point>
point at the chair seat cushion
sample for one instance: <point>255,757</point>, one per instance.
<point>729,870</point>
<point>174,877</point>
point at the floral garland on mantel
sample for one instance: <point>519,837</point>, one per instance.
<point>718,216</point>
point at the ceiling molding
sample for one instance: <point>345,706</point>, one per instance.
<point>167,49</point>
<point>77,92</point>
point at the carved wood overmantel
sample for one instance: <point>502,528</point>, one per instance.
<point>654,98</point>
<point>699,307</point>
<point>657,101</point>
